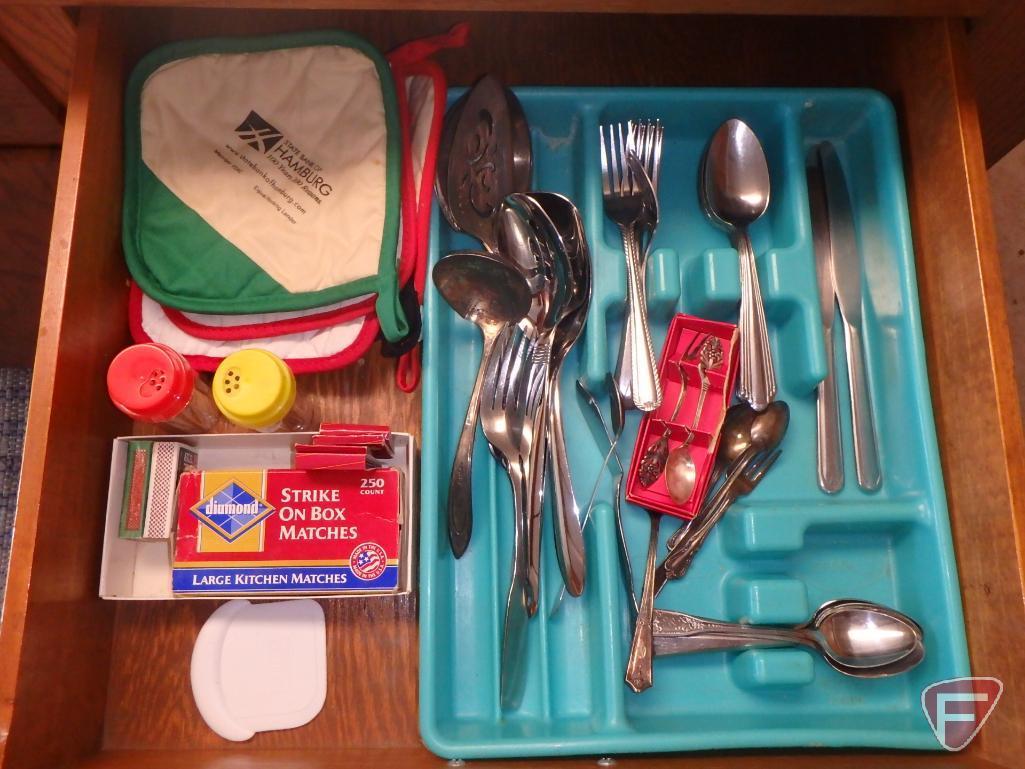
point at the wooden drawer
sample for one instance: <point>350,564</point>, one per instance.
<point>88,683</point>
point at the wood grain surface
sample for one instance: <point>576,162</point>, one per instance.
<point>248,758</point>
<point>562,48</point>
<point>994,57</point>
<point>56,636</point>
<point>44,39</point>
<point>31,116</point>
<point>80,676</point>
<point>28,178</point>
<point>767,7</point>
<point>974,392</point>
<point>1007,188</point>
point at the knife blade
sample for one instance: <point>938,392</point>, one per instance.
<point>827,411</point>
<point>846,260</point>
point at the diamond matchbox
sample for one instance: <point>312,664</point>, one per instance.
<point>288,531</point>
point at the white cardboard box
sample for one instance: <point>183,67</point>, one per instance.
<point>137,570</point>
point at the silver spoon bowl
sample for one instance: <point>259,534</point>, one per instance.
<point>491,294</point>
<point>857,638</point>
<point>734,190</point>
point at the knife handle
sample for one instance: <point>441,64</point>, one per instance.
<point>866,452</point>
<point>827,412</point>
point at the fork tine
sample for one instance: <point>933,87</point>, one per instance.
<point>510,366</point>
<point>656,160</point>
<point>619,167</point>
<point>521,369</point>
<point>649,143</point>
<point>613,160</point>
<point>644,146</point>
<point>629,183</point>
<point>492,376</point>
<point>512,383</point>
<point>606,189</point>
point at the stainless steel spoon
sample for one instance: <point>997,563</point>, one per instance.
<point>490,293</point>
<point>681,472</point>
<point>857,638</point>
<point>735,193</point>
<point>735,432</point>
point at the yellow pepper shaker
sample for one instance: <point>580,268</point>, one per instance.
<point>256,389</point>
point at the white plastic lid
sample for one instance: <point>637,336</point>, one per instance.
<point>260,667</point>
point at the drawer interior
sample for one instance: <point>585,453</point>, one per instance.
<point>95,684</point>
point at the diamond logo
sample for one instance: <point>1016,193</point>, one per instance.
<point>232,511</point>
<point>958,707</point>
<point>258,133</point>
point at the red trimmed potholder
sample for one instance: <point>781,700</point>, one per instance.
<point>315,339</point>
<point>323,349</point>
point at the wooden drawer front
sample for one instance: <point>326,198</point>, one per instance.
<point>87,683</point>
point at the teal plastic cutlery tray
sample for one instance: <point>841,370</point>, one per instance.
<point>778,554</point>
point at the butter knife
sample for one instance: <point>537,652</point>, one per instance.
<point>827,411</point>
<point>847,284</point>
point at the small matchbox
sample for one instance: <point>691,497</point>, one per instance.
<point>149,504</point>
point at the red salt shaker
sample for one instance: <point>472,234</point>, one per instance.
<point>154,383</point>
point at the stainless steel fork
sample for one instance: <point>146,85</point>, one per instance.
<point>509,404</point>
<point>624,205</point>
<point>645,142</point>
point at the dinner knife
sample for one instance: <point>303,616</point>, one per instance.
<point>827,411</point>
<point>847,284</point>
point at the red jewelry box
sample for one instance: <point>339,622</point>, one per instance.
<point>686,333</point>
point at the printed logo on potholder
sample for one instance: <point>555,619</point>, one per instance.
<point>258,133</point>
<point>231,511</point>
<point>368,561</point>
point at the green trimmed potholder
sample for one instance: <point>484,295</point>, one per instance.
<point>262,175</point>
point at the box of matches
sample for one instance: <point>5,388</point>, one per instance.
<point>151,479</point>
<point>139,569</point>
<point>288,532</point>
